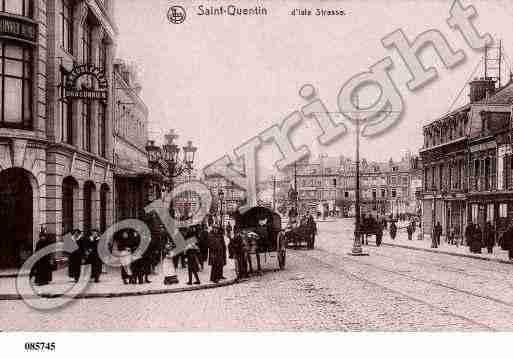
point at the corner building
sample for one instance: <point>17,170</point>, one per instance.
<point>55,120</point>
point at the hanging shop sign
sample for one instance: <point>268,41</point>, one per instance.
<point>77,88</point>
<point>17,28</point>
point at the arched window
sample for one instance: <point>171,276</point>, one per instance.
<point>66,115</point>
<point>69,188</point>
<point>102,130</point>
<point>104,193</point>
<point>67,25</point>
<point>88,205</point>
<point>87,42</point>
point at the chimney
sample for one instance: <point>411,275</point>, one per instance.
<point>481,88</point>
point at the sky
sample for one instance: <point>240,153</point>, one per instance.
<point>220,80</point>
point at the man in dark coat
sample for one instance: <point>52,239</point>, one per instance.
<point>379,233</point>
<point>312,227</point>
<point>191,253</point>
<point>224,249</point>
<point>229,230</point>
<point>489,237</point>
<point>409,230</point>
<point>438,233</point>
<point>393,230</point>
<point>42,270</point>
<point>94,258</point>
<point>75,258</point>
<point>235,251</point>
<point>215,254</point>
<point>469,233</point>
<point>434,239</point>
<point>157,241</point>
<point>203,245</point>
<point>477,243</point>
<point>507,241</point>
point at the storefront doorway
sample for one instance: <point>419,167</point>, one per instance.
<point>16,217</point>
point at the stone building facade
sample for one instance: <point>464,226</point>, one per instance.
<point>467,162</point>
<point>56,114</point>
<point>328,185</point>
<point>386,187</point>
<point>233,196</point>
<point>134,182</point>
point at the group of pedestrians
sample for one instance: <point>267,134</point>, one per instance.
<point>210,248</point>
<point>478,238</point>
<point>134,270</point>
<point>86,252</point>
<point>410,228</point>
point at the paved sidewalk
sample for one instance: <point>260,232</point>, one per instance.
<point>401,240</point>
<point>111,284</point>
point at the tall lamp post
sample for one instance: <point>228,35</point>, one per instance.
<point>220,194</point>
<point>357,244</point>
<point>172,166</point>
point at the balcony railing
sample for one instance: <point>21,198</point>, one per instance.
<point>483,183</point>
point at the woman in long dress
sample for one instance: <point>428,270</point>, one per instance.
<point>42,270</point>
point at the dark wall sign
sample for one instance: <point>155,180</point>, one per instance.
<point>73,91</point>
<point>17,28</point>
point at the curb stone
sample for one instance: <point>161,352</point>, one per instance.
<point>498,260</point>
<point>123,294</point>
<point>14,275</point>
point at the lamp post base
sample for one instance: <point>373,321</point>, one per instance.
<point>356,253</point>
<point>172,279</point>
<point>357,247</point>
<point>170,272</point>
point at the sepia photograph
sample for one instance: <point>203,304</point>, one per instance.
<point>255,166</point>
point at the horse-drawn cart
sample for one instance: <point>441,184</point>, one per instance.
<point>302,233</point>
<point>258,232</point>
<point>371,227</point>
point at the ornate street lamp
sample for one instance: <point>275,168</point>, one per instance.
<point>154,154</point>
<point>189,153</point>
<point>169,155</point>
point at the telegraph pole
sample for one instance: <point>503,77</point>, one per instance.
<point>295,186</point>
<point>274,193</point>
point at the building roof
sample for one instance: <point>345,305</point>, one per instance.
<point>449,114</point>
<point>503,96</point>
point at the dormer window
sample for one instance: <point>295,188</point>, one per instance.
<point>17,7</point>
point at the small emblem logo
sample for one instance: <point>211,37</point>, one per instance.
<point>176,14</point>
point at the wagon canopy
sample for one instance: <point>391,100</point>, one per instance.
<point>251,217</point>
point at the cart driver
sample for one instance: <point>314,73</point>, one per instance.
<point>293,216</point>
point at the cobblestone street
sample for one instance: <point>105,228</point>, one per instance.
<point>323,289</point>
